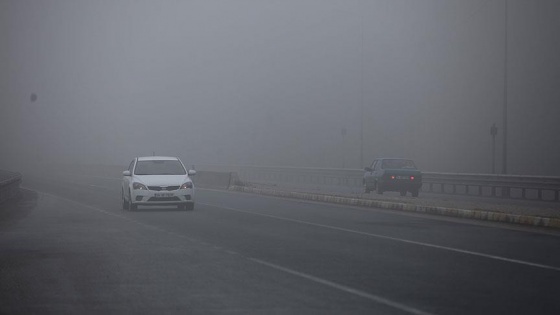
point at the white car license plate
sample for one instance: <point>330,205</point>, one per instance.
<point>402,177</point>
<point>163,195</point>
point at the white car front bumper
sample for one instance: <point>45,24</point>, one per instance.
<point>143,197</point>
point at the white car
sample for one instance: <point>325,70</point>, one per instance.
<point>157,181</point>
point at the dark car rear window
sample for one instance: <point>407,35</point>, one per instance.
<point>398,164</point>
<point>159,167</point>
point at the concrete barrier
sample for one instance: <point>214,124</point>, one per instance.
<point>219,180</point>
<point>92,170</point>
<point>9,185</point>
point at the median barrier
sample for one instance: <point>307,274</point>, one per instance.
<point>9,185</point>
<point>332,180</point>
<point>532,220</point>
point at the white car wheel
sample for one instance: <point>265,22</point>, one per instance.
<point>124,201</point>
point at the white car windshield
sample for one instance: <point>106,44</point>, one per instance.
<point>159,167</point>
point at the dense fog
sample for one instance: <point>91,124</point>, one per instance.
<point>291,83</point>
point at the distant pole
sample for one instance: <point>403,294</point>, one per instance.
<point>493,132</point>
<point>505,127</point>
<point>39,150</point>
<point>362,91</point>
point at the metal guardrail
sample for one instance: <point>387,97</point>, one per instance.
<point>9,185</point>
<point>308,176</point>
<point>506,186</point>
<point>350,180</point>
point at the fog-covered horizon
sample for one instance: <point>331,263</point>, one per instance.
<point>287,83</point>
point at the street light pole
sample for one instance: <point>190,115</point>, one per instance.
<point>362,91</point>
<point>343,134</point>
<point>493,133</point>
<point>505,111</point>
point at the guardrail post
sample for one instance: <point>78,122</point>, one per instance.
<point>480,190</point>
<point>505,192</point>
<point>540,194</point>
<point>493,191</point>
<point>556,195</point>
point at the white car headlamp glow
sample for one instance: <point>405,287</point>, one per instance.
<point>187,185</point>
<point>138,186</point>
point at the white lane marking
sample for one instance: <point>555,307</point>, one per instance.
<point>334,285</point>
<point>344,288</point>
<point>457,250</point>
<point>152,227</point>
<point>423,215</point>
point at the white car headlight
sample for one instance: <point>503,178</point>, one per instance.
<point>187,185</point>
<point>138,186</point>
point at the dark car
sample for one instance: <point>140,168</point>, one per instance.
<point>392,174</point>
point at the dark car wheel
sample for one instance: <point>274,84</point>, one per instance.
<point>415,193</point>
<point>366,188</point>
<point>403,193</point>
<point>379,188</point>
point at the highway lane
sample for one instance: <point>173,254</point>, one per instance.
<point>66,257</point>
<point>296,256</point>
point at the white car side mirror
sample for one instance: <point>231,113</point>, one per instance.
<point>126,173</point>
<point>192,172</point>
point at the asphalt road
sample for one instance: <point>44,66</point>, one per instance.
<point>67,247</point>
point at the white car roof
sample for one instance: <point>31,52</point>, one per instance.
<point>158,158</point>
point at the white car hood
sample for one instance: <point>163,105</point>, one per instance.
<point>161,180</point>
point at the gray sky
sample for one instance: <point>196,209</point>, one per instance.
<point>274,82</point>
